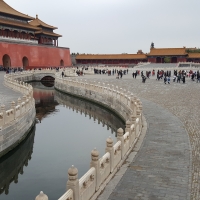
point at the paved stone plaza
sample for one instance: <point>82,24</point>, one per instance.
<point>170,152</point>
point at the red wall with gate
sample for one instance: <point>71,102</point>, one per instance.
<point>38,56</point>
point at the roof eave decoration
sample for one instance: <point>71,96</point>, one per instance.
<point>40,23</point>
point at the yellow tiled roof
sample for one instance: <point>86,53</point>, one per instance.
<point>38,22</point>
<point>48,33</point>
<point>5,8</point>
<point>18,24</point>
<point>167,51</point>
<point>111,56</point>
<point>194,55</point>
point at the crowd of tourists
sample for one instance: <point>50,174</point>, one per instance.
<point>11,70</point>
<point>178,75</point>
<point>110,72</point>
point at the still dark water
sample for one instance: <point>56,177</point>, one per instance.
<point>66,131</point>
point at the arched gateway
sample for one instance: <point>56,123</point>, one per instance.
<point>25,62</point>
<point>6,61</point>
<point>61,63</point>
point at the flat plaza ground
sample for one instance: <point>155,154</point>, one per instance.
<point>167,166</point>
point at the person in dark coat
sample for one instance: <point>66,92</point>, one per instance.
<point>183,79</point>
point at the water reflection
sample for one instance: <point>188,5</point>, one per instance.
<point>92,110</point>
<point>45,103</point>
<point>47,99</point>
<point>12,164</point>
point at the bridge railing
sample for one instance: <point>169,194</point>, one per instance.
<point>90,185</point>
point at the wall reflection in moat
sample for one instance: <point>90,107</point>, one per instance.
<point>92,110</point>
<point>46,99</point>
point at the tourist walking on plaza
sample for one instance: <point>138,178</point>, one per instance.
<point>168,79</point>
<point>183,79</point>
<point>178,78</point>
<point>165,80</point>
<point>174,79</point>
<point>198,76</point>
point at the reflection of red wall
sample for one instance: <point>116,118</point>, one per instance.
<point>42,94</point>
<point>37,55</point>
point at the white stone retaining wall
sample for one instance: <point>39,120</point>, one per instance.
<point>16,122</point>
<point>90,185</point>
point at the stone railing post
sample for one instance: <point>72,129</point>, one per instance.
<point>20,104</point>
<point>14,108</point>
<point>120,133</point>
<point>95,163</point>
<point>42,196</point>
<point>109,148</point>
<point>128,129</point>
<point>133,121</point>
<point>4,114</point>
<point>24,100</point>
<point>73,182</point>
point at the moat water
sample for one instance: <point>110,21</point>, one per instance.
<point>66,131</point>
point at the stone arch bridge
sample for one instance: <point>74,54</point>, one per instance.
<point>36,75</point>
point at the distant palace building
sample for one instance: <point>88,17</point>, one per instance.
<point>156,55</point>
<point>28,42</point>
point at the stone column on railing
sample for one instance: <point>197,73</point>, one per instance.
<point>95,163</point>
<point>120,133</point>
<point>14,108</point>
<point>133,121</point>
<point>128,129</point>
<point>73,182</point>
<point>42,196</point>
<point>4,114</point>
<point>109,148</point>
<point>135,105</point>
<point>24,100</point>
<point>19,103</point>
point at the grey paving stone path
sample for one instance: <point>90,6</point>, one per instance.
<point>7,95</point>
<point>182,101</point>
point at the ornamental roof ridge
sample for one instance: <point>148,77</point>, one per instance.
<point>5,8</point>
<point>38,22</point>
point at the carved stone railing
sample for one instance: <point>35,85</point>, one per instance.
<point>120,101</point>
<point>16,122</point>
<point>188,64</point>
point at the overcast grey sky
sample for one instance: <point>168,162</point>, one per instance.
<point>118,26</point>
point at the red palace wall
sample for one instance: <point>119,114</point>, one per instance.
<point>38,56</point>
<point>181,59</point>
<point>152,60</point>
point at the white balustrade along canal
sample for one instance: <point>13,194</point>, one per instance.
<point>16,122</point>
<point>122,102</point>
